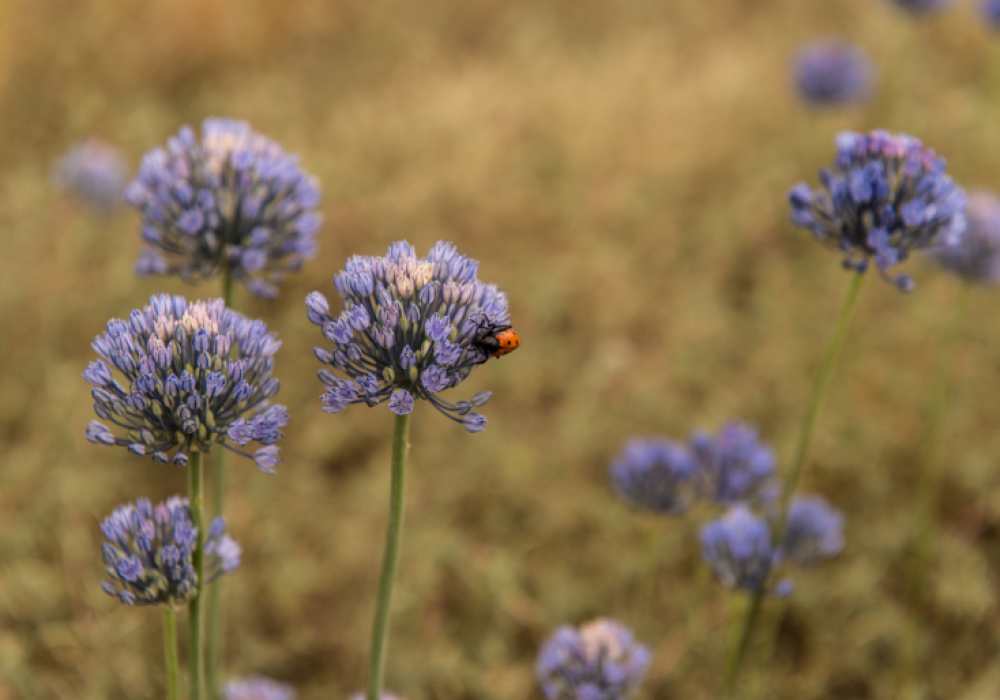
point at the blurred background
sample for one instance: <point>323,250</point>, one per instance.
<point>620,170</point>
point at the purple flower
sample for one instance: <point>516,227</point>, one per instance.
<point>409,330</point>
<point>599,661</point>
<point>257,688</point>
<point>148,555</point>
<point>975,256</point>
<point>989,10</point>
<point>231,199</point>
<point>95,172</point>
<point>738,548</point>
<point>919,7</point>
<point>194,374</point>
<point>887,196</point>
<point>832,72</point>
<point>733,466</point>
<point>815,531</point>
<point>655,474</point>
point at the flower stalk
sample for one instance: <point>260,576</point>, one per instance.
<point>170,653</point>
<point>197,506</point>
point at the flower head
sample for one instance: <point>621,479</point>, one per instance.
<point>257,688</point>
<point>815,531</point>
<point>231,199</point>
<point>920,7</point>
<point>94,171</point>
<point>655,474</point>
<point>989,10</point>
<point>195,374</point>
<point>410,329</point>
<point>832,72</point>
<point>149,551</point>
<point>598,661</point>
<point>975,256</point>
<point>738,548</point>
<point>734,465</point>
<point>887,196</point>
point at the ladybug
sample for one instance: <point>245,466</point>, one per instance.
<point>496,341</point>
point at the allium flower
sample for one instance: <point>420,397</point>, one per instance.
<point>148,555</point>
<point>976,255</point>
<point>196,373</point>
<point>409,329</point>
<point>598,661</point>
<point>733,466</point>
<point>738,548</point>
<point>94,171</point>
<point>989,10</point>
<point>655,474</point>
<point>815,531</point>
<point>257,688</point>
<point>887,196</point>
<point>832,72</point>
<point>233,199</point>
<point>919,7</point>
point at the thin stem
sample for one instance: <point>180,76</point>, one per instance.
<point>929,482</point>
<point>170,653</point>
<point>220,480</point>
<point>647,596</point>
<point>393,537</point>
<point>732,669</point>
<point>197,506</point>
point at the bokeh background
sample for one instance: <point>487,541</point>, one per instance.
<point>620,169</point>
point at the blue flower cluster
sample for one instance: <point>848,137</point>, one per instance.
<point>149,553</point>
<point>409,330</point>
<point>989,10</point>
<point>196,373</point>
<point>975,257</point>
<point>886,196</point>
<point>95,172</point>
<point>832,72</point>
<point>667,477</point>
<point>232,199</point>
<point>257,688</point>
<point>599,661</point>
<point>919,7</point>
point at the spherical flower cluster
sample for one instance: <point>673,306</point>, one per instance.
<point>919,7</point>
<point>230,200</point>
<point>257,688</point>
<point>989,10</point>
<point>149,553</point>
<point>599,661</point>
<point>95,172</point>
<point>196,373</point>
<point>975,257</point>
<point>887,196</point>
<point>832,72</point>
<point>655,474</point>
<point>409,329</point>
<point>815,531</point>
<point>734,466</point>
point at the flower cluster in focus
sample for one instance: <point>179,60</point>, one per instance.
<point>409,330</point>
<point>232,199</point>
<point>598,661</point>
<point>832,72</point>
<point>196,373</point>
<point>149,553</point>
<point>975,256</point>
<point>94,171</point>
<point>886,196</point>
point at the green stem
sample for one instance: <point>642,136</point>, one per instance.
<point>732,670</point>
<point>220,479</point>
<point>197,506</point>
<point>647,603</point>
<point>393,537</point>
<point>170,652</point>
<point>929,482</point>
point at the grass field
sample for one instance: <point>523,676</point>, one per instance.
<point>620,170</point>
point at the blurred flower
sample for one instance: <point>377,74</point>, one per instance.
<point>193,371</point>
<point>918,7</point>
<point>257,688</point>
<point>738,548</point>
<point>734,465</point>
<point>94,171</point>
<point>887,196</point>
<point>408,330</point>
<point>989,10</point>
<point>815,531</point>
<point>383,696</point>
<point>149,550</point>
<point>232,199</point>
<point>655,474</point>
<point>975,256</point>
<point>832,72</point>
<point>598,661</point>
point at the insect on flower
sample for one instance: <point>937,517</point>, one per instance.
<point>495,340</point>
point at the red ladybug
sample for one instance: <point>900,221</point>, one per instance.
<point>496,341</point>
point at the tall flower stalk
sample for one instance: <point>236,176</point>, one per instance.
<point>410,329</point>
<point>170,654</point>
<point>197,505</point>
